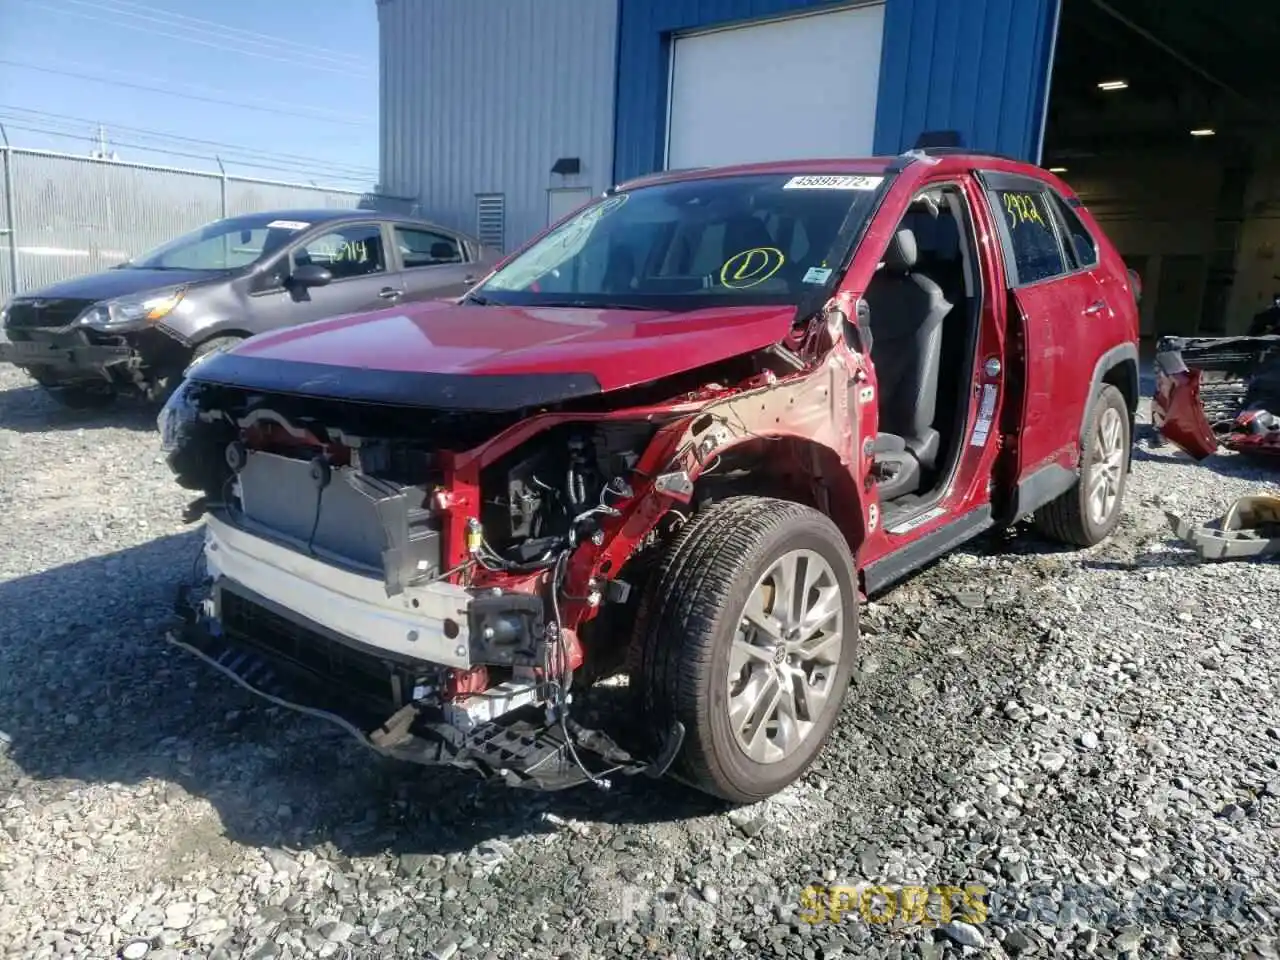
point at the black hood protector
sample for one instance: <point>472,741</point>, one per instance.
<point>468,393</point>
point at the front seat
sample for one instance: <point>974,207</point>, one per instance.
<point>907,310</point>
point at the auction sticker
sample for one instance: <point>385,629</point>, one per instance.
<point>288,225</point>
<point>835,182</point>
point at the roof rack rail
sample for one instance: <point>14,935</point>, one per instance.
<point>908,157</point>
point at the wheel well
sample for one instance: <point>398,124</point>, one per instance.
<point>1124,377</point>
<point>218,334</point>
<point>789,468</point>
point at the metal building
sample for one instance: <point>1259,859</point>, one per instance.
<point>502,115</point>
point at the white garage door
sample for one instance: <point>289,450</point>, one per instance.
<point>800,87</point>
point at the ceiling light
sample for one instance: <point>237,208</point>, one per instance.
<point>1203,132</point>
<point>1114,85</point>
<point>1057,169</point>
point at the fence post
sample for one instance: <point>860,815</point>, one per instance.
<point>223,172</point>
<point>12,229</point>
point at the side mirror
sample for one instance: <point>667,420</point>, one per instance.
<point>310,275</point>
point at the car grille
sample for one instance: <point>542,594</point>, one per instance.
<point>44,313</point>
<point>365,681</point>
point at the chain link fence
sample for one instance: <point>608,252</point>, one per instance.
<point>63,216</point>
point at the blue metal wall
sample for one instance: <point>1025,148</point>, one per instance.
<point>978,66</point>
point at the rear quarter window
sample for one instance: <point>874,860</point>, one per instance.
<point>1083,246</point>
<point>1037,253</point>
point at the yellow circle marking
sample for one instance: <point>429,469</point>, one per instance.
<point>750,267</point>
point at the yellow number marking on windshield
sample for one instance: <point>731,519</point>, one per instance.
<point>751,267</point>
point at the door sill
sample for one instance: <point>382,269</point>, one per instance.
<point>912,556</point>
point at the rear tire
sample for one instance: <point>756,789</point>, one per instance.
<point>698,657</point>
<point>1087,514</point>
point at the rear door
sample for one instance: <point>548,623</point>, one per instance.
<point>433,263</point>
<point>1054,298</point>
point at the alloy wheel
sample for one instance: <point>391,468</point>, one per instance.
<point>1106,472</point>
<point>785,655</point>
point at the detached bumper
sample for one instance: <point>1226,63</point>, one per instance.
<point>1218,391</point>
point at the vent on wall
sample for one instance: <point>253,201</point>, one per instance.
<point>491,221</point>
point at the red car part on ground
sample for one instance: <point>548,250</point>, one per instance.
<point>1214,392</point>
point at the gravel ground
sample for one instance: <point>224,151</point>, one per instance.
<point>1093,738</point>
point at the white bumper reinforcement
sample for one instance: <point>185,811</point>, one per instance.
<point>426,623</point>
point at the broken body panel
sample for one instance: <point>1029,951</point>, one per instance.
<point>382,529</point>
<point>1218,392</point>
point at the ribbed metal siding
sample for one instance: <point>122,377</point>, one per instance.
<point>482,97</point>
<point>977,66</point>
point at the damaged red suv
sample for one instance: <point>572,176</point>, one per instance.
<point>676,438</point>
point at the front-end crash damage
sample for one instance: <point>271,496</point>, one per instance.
<point>1216,392</point>
<point>440,582</point>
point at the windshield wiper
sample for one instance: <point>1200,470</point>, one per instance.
<point>585,305</point>
<point>477,300</point>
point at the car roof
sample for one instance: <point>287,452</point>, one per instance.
<point>346,214</point>
<point>872,165</point>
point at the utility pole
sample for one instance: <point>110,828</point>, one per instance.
<point>101,153</point>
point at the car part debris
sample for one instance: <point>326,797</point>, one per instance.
<point>1250,530</point>
<point>1219,392</point>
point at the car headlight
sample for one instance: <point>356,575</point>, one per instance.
<point>4,313</point>
<point>129,311</point>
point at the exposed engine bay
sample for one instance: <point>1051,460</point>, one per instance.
<point>374,507</point>
<point>438,582</point>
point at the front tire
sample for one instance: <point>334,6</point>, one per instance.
<point>1088,513</point>
<point>757,682</point>
<point>172,379</point>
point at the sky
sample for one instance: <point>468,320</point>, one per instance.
<point>278,89</point>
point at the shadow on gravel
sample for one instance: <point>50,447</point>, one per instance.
<point>91,693</point>
<point>30,409</point>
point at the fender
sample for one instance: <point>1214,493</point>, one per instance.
<point>1122,355</point>
<point>191,332</point>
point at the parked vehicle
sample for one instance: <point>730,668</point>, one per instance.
<point>136,327</point>
<point>677,436</point>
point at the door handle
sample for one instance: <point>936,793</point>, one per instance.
<point>1095,308</point>
<point>390,293</point>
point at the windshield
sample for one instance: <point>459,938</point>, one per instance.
<point>721,241</point>
<point>222,245</point>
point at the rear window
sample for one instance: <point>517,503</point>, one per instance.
<point>1084,249</point>
<point>1036,252</point>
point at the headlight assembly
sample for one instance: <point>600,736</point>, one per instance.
<point>133,310</point>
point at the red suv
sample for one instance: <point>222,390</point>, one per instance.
<point>676,438</point>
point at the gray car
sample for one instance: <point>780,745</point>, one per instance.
<point>136,327</point>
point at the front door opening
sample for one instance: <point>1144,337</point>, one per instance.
<point>925,302</point>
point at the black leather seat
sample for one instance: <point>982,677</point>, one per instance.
<point>907,310</point>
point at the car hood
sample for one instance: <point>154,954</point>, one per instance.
<point>491,357</point>
<point>115,283</point>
